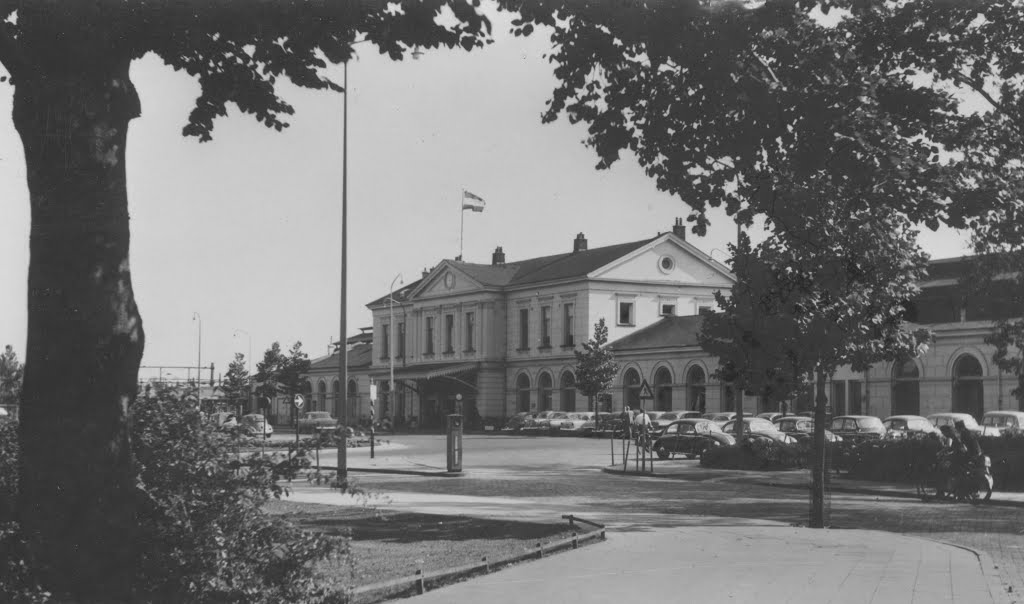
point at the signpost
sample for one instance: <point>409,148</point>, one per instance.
<point>644,428</point>
<point>373,406</point>
<point>297,401</point>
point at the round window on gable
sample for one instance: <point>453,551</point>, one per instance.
<point>666,264</point>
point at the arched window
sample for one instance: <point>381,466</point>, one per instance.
<point>567,391</point>
<point>906,388</point>
<point>631,388</point>
<point>321,395</point>
<point>696,389</point>
<point>523,392</point>
<point>544,387</point>
<point>968,387</point>
<point>662,389</point>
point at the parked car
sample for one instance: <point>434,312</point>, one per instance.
<point>720,418</point>
<point>857,427</point>
<point>540,421</point>
<point>949,419</point>
<point>517,421</point>
<point>750,424</point>
<point>311,421</point>
<point>576,422</point>
<point>607,422</point>
<point>770,415</point>
<point>556,419</point>
<point>902,426</point>
<point>690,437</point>
<point>254,424</point>
<point>223,420</point>
<point>670,416</point>
<point>801,428</point>
<point>655,417</point>
<point>996,422</point>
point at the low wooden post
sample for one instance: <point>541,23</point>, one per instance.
<point>540,551</point>
<point>487,565</point>
<point>575,541</point>
<point>421,587</point>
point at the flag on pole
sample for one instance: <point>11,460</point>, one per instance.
<point>472,202</point>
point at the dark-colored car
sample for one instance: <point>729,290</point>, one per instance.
<point>690,437</point>
<point>801,428</point>
<point>857,427</point>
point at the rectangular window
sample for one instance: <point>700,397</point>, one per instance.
<point>626,313</point>
<point>545,326</point>
<point>401,340</point>
<point>385,347</point>
<point>668,309</point>
<point>839,397</point>
<point>429,349</point>
<point>449,331</point>
<point>567,322</point>
<point>470,324</point>
<point>856,398</point>
<point>704,310</point>
<point>524,328</point>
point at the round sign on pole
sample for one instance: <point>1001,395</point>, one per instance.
<point>298,401</point>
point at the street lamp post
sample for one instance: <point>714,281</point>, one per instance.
<point>199,361</point>
<point>342,348</point>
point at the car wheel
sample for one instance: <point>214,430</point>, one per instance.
<point>662,452</point>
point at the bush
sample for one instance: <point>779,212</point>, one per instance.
<point>754,454</point>
<point>201,516</point>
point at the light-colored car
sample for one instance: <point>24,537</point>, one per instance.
<point>518,421</point>
<point>902,426</point>
<point>752,425</point>
<point>995,423</point>
<point>720,418</point>
<point>801,428</point>
<point>311,421</point>
<point>949,419</point>
<point>540,421</point>
<point>576,422</point>
<point>556,419</point>
<point>255,424</point>
<point>770,415</point>
<point>857,427</point>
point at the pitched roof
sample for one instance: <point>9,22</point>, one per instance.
<point>401,294</point>
<point>360,356</point>
<point>668,332</point>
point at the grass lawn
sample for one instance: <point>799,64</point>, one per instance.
<point>387,545</point>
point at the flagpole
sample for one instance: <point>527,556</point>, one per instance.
<point>462,221</point>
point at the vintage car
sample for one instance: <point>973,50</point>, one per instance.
<point>720,418</point>
<point>556,419</point>
<point>903,426</point>
<point>576,422</point>
<point>995,423</point>
<point>223,420</point>
<point>607,423</point>
<point>690,437</point>
<point>254,424</point>
<point>311,421</point>
<point>801,428</point>
<point>857,427</point>
<point>517,421</point>
<point>756,427</point>
<point>950,419</point>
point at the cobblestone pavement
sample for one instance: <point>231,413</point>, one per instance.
<point>544,478</point>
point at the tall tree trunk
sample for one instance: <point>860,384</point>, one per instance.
<point>85,338</point>
<point>817,519</point>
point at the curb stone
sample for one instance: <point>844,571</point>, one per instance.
<point>988,568</point>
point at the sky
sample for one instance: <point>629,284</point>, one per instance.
<point>236,243</point>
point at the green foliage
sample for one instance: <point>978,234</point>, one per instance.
<point>754,454</point>
<point>595,363</point>
<point>12,373</point>
<point>201,516</point>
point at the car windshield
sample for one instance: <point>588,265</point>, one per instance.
<point>559,415</point>
<point>317,415</point>
<point>869,422</point>
<point>998,421</point>
<point>686,429</point>
<point>895,424</point>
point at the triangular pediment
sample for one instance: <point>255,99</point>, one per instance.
<point>667,259</point>
<point>446,280</point>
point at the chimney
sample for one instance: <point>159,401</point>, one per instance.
<point>498,257</point>
<point>580,244</point>
<point>425,273</point>
<point>679,229</point>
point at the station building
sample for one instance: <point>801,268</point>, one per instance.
<point>498,338</point>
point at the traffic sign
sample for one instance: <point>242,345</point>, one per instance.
<point>645,390</point>
<point>298,401</point>
<point>373,392</point>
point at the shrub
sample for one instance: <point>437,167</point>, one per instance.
<point>753,454</point>
<point>201,516</point>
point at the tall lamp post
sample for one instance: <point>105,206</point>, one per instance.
<point>391,337</point>
<point>199,361</point>
<point>249,336</point>
<point>342,344</point>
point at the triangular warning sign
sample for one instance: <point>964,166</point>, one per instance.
<point>645,390</point>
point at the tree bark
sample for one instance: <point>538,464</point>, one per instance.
<point>817,519</point>
<point>76,502</point>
